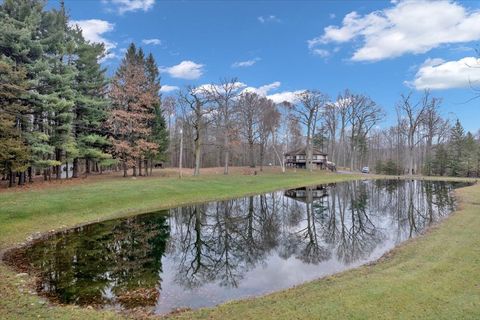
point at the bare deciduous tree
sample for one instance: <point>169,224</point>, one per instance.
<point>192,100</point>
<point>224,95</point>
<point>410,117</point>
<point>307,111</point>
<point>363,114</point>
<point>269,119</point>
<point>248,112</point>
<point>330,116</point>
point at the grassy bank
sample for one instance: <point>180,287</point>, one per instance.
<point>435,276</point>
<point>28,212</point>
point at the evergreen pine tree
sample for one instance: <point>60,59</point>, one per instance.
<point>457,145</point>
<point>21,37</point>
<point>90,109</point>
<point>14,153</point>
<point>157,124</point>
<point>441,160</point>
<point>470,155</point>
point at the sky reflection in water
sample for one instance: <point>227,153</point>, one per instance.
<point>209,253</point>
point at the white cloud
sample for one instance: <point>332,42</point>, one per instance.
<point>410,26</point>
<point>154,41</point>
<point>263,90</point>
<point>93,31</point>
<point>187,69</point>
<point>212,88</point>
<point>244,64</point>
<point>167,88</point>
<point>440,74</point>
<point>122,6</point>
<point>268,19</point>
<point>321,52</point>
<point>286,96</point>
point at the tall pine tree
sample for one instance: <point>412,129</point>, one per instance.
<point>91,103</point>
<point>22,34</point>
<point>132,111</point>
<point>158,124</point>
<point>457,154</point>
<point>14,152</point>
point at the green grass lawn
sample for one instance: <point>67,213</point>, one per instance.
<point>434,276</point>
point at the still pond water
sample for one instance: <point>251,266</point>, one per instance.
<point>205,254</point>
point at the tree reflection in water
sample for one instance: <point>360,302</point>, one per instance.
<point>231,249</point>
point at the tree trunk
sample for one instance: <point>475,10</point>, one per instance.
<point>75,168</point>
<point>11,180</point>
<point>30,178</point>
<point>58,169</point>
<point>251,154</point>
<point>281,160</point>
<point>332,152</point>
<point>197,157</point>
<point>410,161</point>
<point>308,160</point>
<point>227,155</point>
<point>87,166</point>
<point>134,171</point>
<point>125,169</point>
<point>352,161</point>
<point>410,153</point>
<point>21,178</point>
<point>262,154</point>
<point>140,173</point>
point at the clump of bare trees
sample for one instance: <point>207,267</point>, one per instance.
<point>225,124</point>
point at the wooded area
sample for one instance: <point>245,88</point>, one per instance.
<point>60,111</point>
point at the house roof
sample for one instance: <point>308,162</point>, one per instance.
<point>303,151</point>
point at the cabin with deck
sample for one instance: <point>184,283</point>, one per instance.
<point>298,158</point>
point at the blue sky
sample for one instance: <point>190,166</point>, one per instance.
<point>379,48</point>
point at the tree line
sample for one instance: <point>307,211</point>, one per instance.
<point>59,109</point>
<point>424,142</point>
<point>225,123</point>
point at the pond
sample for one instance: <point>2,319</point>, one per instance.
<point>202,255</point>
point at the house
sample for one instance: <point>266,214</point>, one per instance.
<point>308,194</point>
<point>298,158</point>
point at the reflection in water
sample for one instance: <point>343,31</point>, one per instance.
<point>205,254</point>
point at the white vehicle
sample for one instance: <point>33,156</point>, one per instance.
<point>365,170</point>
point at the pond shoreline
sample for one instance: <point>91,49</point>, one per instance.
<point>16,259</point>
<point>37,236</point>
